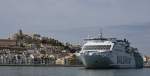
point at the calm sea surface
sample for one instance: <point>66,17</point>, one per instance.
<point>69,71</point>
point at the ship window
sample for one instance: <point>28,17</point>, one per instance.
<point>97,47</point>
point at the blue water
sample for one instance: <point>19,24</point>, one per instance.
<point>69,71</point>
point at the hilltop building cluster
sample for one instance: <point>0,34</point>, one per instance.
<point>34,49</point>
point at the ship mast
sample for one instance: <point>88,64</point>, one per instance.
<point>101,33</point>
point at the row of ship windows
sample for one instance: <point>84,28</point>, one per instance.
<point>123,60</point>
<point>97,47</point>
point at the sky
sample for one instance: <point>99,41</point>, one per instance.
<point>73,20</point>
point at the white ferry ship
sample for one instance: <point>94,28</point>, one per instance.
<point>109,53</point>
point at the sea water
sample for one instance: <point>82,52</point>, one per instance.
<point>69,71</point>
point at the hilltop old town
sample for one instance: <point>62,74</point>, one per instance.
<point>25,49</point>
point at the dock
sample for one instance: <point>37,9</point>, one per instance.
<point>42,65</point>
<point>147,66</point>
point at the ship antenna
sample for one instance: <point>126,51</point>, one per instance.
<point>101,33</point>
<point>88,37</point>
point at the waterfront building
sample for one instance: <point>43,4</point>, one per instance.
<point>69,59</point>
<point>147,60</point>
<point>60,61</point>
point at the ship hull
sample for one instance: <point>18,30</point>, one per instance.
<point>103,62</point>
<point>96,62</point>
